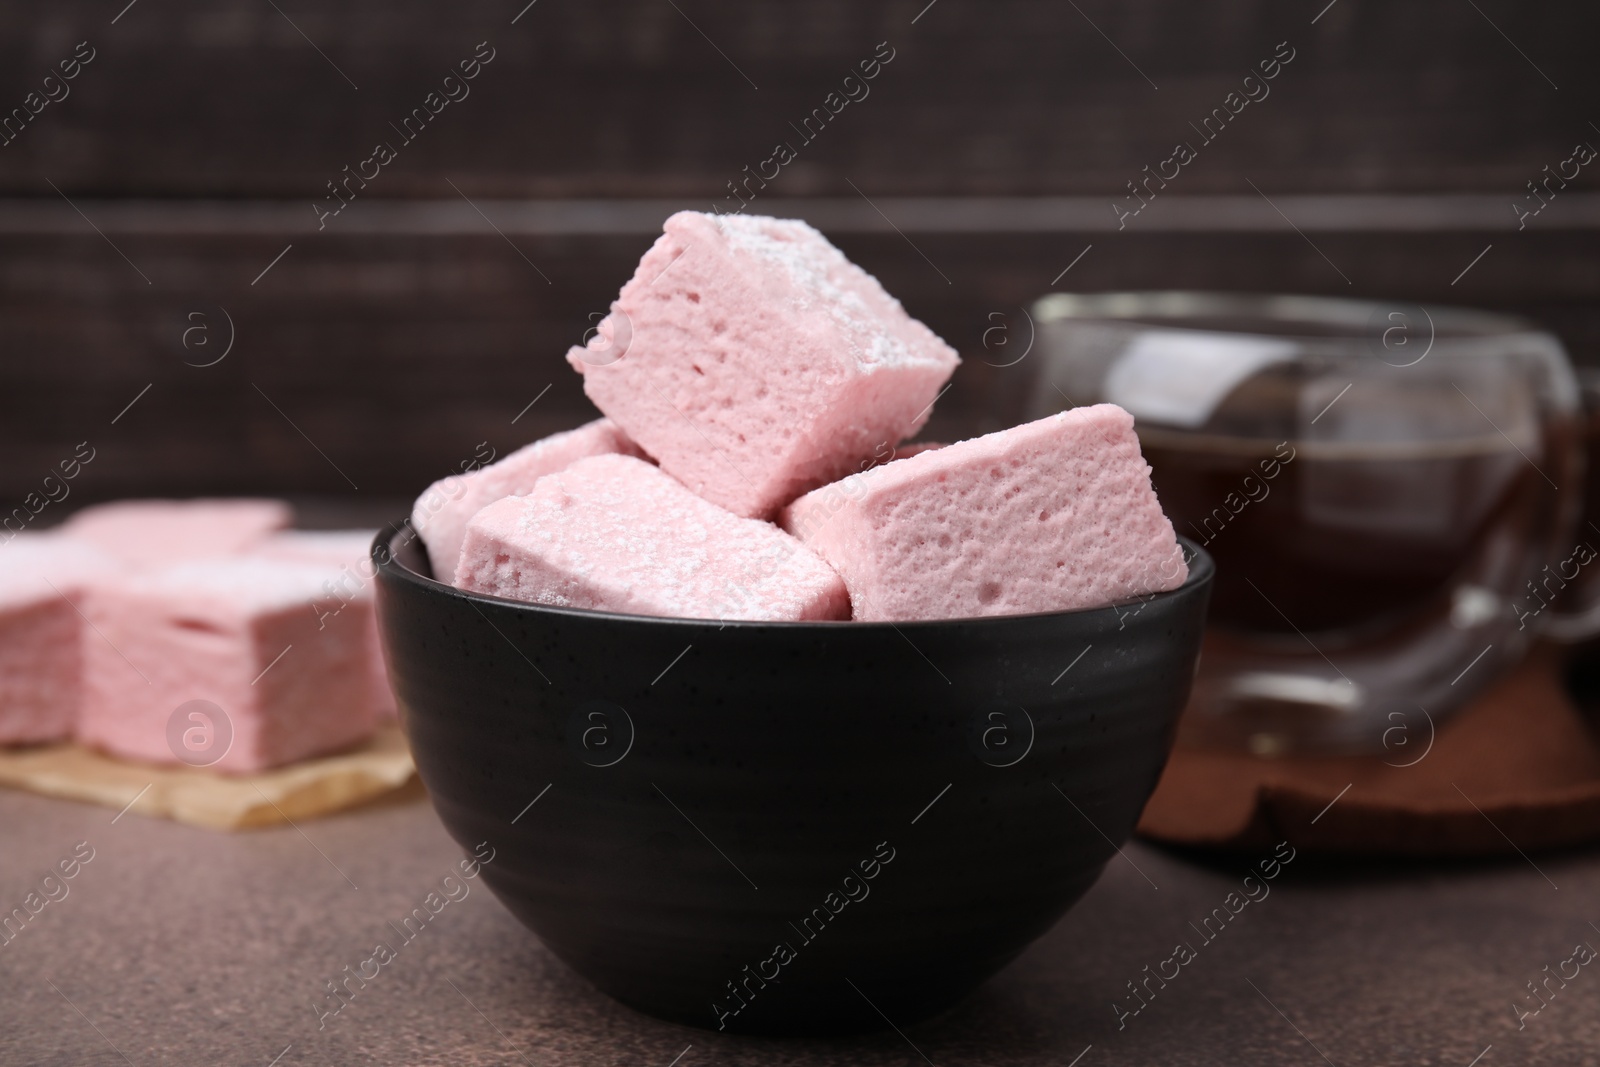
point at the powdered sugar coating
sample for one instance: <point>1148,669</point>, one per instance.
<point>1054,515</point>
<point>227,593</point>
<point>37,566</point>
<point>154,533</point>
<point>440,514</point>
<point>614,533</point>
<point>753,361</point>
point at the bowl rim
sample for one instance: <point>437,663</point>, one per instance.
<point>385,559</point>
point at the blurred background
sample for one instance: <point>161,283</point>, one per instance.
<point>174,294</point>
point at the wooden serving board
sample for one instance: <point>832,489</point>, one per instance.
<point>1516,770</point>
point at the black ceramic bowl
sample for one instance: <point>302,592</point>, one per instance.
<point>785,827</point>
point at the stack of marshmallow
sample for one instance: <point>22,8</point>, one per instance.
<point>131,610</point>
<point>755,386</point>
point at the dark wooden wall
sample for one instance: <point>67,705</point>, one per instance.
<point>378,351</point>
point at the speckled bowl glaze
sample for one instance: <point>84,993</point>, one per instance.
<point>786,828</point>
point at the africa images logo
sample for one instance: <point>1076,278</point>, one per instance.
<point>199,733</point>
<point>600,733</point>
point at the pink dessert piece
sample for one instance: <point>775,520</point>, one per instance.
<point>250,637</point>
<point>754,362</point>
<point>614,533</point>
<point>155,533</point>
<point>43,581</point>
<point>440,514</point>
<point>348,587</point>
<point>1053,515</point>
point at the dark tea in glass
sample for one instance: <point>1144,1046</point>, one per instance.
<point>1388,492</point>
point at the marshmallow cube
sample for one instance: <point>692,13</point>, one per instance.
<point>1054,515</point>
<point>754,362</point>
<point>156,533</point>
<point>250,636</point>
<point>349,586</point>
<point>614,533</point>
<point>43,579</point>
<point>440,514</point>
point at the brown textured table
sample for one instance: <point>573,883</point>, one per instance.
<point>176,945</point>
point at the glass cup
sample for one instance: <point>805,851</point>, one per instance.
<point>1389,492</point>
<point>1575,619</point>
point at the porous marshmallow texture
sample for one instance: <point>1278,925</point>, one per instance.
<point>614,533</point>
<point>43,580</point>
<point>243,634</point>
<point>156,533</point>
<point>754,362</point>
<point>440,514</point>
<point>1053,515</point>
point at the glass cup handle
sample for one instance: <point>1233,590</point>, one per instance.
<point>1570,629</point>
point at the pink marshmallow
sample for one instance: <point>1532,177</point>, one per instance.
<point>43,579</point>
<point>244,634</point>
<point>349,587</point>
<point>614,533</point>
<point>1054,515</point>
<point>754,362</point>
<point>440,514</point>
<point>155,533</point>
